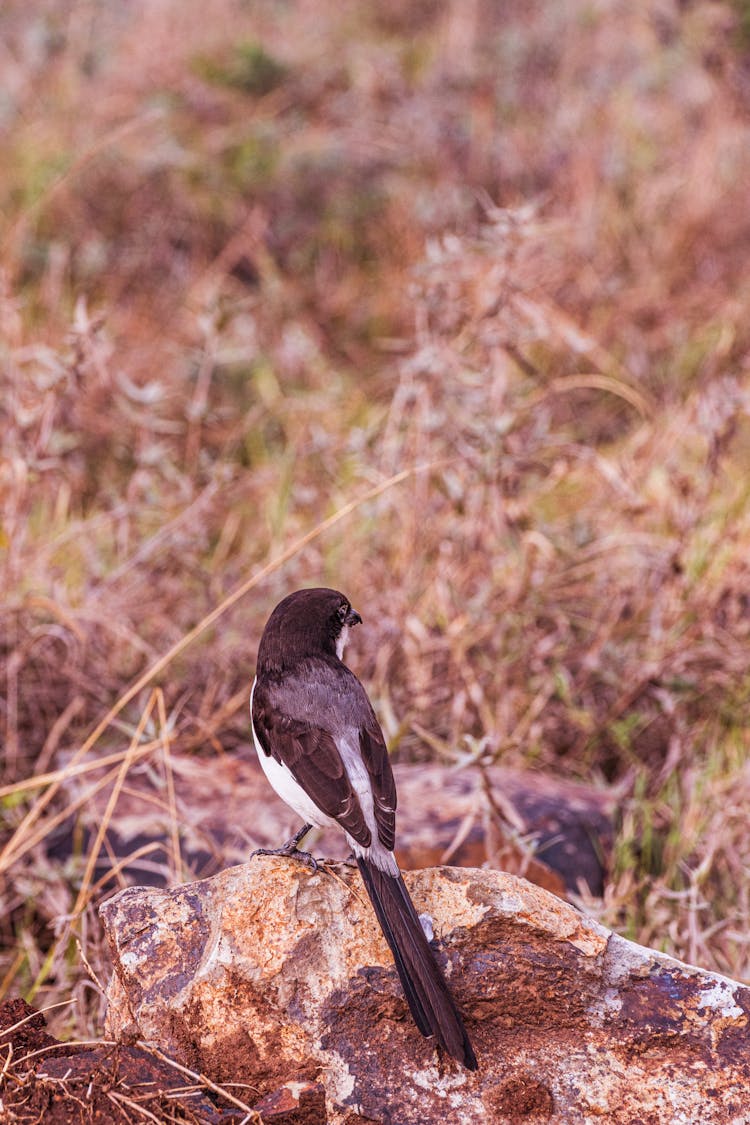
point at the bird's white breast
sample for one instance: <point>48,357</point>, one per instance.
<point>341,640</point>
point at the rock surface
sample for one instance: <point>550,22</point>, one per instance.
<point>269,974</point>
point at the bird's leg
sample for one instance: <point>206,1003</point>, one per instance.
<point>291,849</point>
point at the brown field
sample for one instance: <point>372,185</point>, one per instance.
<point>445,304</point>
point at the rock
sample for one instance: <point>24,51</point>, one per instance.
<point>554,832</point>
<point>268,974</point>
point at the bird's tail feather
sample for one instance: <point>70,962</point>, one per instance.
<point>427,993</point>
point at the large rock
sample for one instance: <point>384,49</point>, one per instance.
<point>268,973</point>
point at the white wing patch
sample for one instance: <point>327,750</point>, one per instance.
<point>361,783</point>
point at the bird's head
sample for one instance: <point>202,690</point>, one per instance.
<point>309,622</point>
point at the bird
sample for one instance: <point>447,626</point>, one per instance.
<point>321,748</point>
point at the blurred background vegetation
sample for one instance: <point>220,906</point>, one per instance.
<point>259,257</point>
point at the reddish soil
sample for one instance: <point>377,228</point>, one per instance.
<point>45,1081</point>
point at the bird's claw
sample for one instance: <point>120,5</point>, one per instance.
<point>291,853</point>
<point>291,850</point>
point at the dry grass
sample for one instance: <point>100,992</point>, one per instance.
<point>259,267</point>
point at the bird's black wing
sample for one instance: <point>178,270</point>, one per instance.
<point>301,716</point>
<point>283,710</point>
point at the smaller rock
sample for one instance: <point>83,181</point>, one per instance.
<point>556,833</point>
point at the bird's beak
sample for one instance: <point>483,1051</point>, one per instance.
<point>352,618</point>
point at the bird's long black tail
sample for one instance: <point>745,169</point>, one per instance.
<point>427,993</point>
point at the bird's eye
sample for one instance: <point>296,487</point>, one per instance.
<point>342,611</point>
